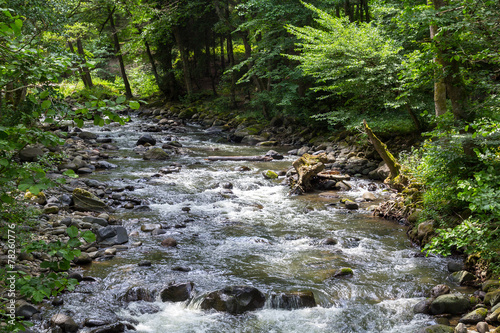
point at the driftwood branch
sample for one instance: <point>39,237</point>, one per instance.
<point>240,158</point>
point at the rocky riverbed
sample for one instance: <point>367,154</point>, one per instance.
<point>177,234</point>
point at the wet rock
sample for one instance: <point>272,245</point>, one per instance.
<point>77,276</point>
<point>252,139</point>
<point>494,316</point>
<point>179,292</point>
<point>114,328</point>
<point>425,231</point>
<point>83,259</point>
<point>181,269</point>
<point>492,298</point>
<point>274,155</point>
<point>351,205</point>
<point>156,154</point>
<point>368,196</point>
<point>112,235</point>
<point>329,241</point>
<point>490,285</point>
<point>303,150</point>
<point>437,329</point>
<point>475,316</point>
<point>440,289</point>
<point>234,300</point>
<point>158,231</point>
<point>293,300</point>
<point>423,306</point>
<point>144,263</point>
<point>343,186</point>
<point>169,242</point>
<point>150,227</point>
<point>65,322</point>
<point>269,174</point>
<point>110,251</point>
<point>482,327</point>
<point>57,301</point>
<point>84,171</point>
<point>460,328</point>
<point>267,143</point>
<point>242,169</point>
<point>95,220</point>
<point>228,186</point>
<point>462,277</point>
<point>450,304</point>
<point>135,294</point>
<point>30,154</point>
<point>105,165</point>
<point>51,210</point>
<point>26,310</point>
<point>345,271</point>
<point>380,173</point>
<point>87,135</point>
<point>146,138</point>
<point>85,201</point>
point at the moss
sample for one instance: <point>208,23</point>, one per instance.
<point>269,174</point>
<point>82,192</point>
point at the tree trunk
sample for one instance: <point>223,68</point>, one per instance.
<point>77,66</point>
<point>414,117</point>
<point>222,60</point>
<point>455,91</point>
<point>168,83</point>
<point>151,59</point>
<point>382,150</point>
<point>230,55</point>
<point>439,75</point>
<point>128,91</point>
<point>185,60</point>
<point>87,79</point>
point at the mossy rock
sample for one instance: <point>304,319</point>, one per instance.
<point>85,201</point>
<point>475,316</point>
<point>269,174</point>
<point>437,329</point>
<point>490,285</point>
<point>156,154</point>
<point>344,271</point>
<point>492,298</point>
<point>39,198</point>
<point>187,113</point>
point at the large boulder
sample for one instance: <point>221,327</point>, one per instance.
<point>380,173</point>
<point>85,201</point>
<point>156,154</point>
<point>135,294</point>
<point>234,300</point>
<point>462,277</point>
<point>437,329</point>
<point>112,235</point>
<point>475,316</point>
<point>490,285</point>
<point>492,298</point>
<point>30,154</point>
<point>293,300</point>
<point>494,316</point>
<point>178,292</point>
<point>66,323</point>
<point>450,304</point>
<point>146,138</point>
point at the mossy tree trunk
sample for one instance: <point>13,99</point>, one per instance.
<point>384,153</point>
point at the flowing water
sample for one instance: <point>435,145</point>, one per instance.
<point>259,237</point>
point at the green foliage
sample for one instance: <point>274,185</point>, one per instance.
<point>461,173</point>
<point>355,65</point>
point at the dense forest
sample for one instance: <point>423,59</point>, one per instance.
<point>410,68</point>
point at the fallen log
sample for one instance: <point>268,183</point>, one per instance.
<point>240,158</point>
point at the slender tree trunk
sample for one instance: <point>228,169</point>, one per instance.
<point>168,83</point>
<point>82,74</point>
<point>87,79</point>
<point>128,91</point>
<point>455,91</point>
<point>439,75</point>
<point>222,60</point>
<point>151,59</point>
<point>184,59</point>
<point>230,55</point>
<point>413,117</point>
<point>384,153</point>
